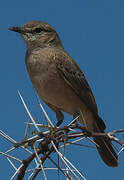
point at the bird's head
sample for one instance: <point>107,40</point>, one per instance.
<point>38,34</point>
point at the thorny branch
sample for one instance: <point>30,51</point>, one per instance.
<point>58,136</point>
<point>49,139</point>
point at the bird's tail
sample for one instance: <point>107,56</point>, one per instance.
<point>105,149</point>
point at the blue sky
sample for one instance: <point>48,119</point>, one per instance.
<point>92,32</point>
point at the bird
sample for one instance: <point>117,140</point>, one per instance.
<point>60,82</point>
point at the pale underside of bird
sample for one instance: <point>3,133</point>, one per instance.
<point>60,82</point>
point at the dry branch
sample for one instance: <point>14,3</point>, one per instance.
<point>48,140</point>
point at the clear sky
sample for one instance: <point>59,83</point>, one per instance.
<point>92,32</point>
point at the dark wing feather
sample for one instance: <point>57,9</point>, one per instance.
<point>71,73</point>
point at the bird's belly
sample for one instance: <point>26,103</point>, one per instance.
<point>56,91</point>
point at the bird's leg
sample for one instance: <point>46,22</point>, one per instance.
<point>59,114</point>
<point>60,117</point>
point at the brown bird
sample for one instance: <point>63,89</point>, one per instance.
<point>60,82</point>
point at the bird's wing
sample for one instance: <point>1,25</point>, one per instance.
<point>72,74</point>
<point>75,78</point>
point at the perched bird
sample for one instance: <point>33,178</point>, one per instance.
<point>60,82</point>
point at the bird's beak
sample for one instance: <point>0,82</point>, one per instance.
<point>16,29</point>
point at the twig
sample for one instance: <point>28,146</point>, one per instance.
<point>33,121</point>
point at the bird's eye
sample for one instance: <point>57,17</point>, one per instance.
<point>38,30</point>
